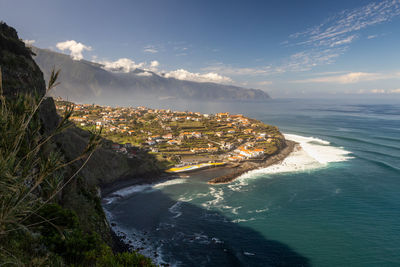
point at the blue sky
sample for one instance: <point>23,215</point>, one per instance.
<point>287,48</point>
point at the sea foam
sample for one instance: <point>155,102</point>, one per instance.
<point>312,153</point>
<point>146,188</point>
<point>169,182</point>
<point>319,149</point>
<point>176,209</point>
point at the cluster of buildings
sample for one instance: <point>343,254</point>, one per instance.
<point>235,137</point>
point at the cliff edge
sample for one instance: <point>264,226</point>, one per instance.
<point>79,200</point>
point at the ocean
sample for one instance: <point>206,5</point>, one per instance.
<point>336,202</point>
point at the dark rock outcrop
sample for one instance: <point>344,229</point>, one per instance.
<point>21,75</point>
<point>20,72</point>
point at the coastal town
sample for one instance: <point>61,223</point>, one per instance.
<point>183,138</point>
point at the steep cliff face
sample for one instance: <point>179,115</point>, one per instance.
<point>20,74</point>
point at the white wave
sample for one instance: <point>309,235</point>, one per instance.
<point>258,211</point>
<point>235,210</point>
<point>313,153</point>
<point>176,209</point>
<point>126,192</point>
<point>295,162</point>
<point>217,194</point>
<point>320,149</point>
<point>243,220</point>
<point>237,186</point>
<point>304,139</point>
<point>262,210</point>
<point>132,189</point>
<point>185,199</point>
<point>145,188</point>
<point>169,182</point>
<point>201,238</point>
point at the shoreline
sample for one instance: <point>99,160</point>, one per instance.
<point>249,166</point>
<point>128,181</point>
<point>238,169</point>
<point>120,241</point>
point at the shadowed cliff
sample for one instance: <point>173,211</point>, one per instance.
<point>21,75</point>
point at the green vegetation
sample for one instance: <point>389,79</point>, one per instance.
<point>179,136</point>
<point>36,226</point>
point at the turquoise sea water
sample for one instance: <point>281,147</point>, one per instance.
<point>335,203</point>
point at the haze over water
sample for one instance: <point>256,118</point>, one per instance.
<point>335,203</point>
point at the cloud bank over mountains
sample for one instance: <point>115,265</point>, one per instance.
<point>182,74</point>
<point>127,65</point>
<point>76,49</point>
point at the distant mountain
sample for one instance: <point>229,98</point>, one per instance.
<point>85,81</point>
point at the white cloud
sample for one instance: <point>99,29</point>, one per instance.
<point>29,42</point>
<point>372,37</point>
<point>121,65</point>
<point>76,49</point>
<point>343,41</point>
<point>154,64</point>
<point>127,65</point>
<point>351,77</point>
<point>144,74</point>
<point>322,44</point>
<point>377,91</point>
<point>306,60</point>
<point>182,74</point>
<point>347,22</point>
<point>395,91</point>
<point>150,49</point>
<point>239,71</point>
<point>325,42</point>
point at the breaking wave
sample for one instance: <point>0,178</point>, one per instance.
<point>176,209</point>
<point>146,188</point>
<point>313,153</point>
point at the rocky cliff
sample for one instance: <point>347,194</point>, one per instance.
<point>21,75</point>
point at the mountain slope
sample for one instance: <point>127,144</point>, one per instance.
<point>85,81</point>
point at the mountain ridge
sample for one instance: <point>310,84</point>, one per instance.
<point>86,81</point>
